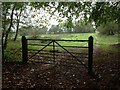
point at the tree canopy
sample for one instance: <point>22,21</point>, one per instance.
<point>104,12</point>
<point>17,14</point>
<point>99,12</point>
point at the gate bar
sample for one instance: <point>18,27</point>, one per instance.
<point>60,40</point>
<point>40,50</point>
<point>72,55</point>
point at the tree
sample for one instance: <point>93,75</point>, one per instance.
<point>98,12</point>
<point>19,8</point>
<point>106,17</point>
<point>8,20</point>
<point>64,9</point>
<point>110,28</point>
<point>12,6</point>
<point>103,12</point>
<point>5,20</point>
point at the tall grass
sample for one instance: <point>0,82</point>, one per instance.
<point>13,51</point>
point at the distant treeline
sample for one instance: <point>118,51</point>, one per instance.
<point>71,30</point>
<point>54,30</point>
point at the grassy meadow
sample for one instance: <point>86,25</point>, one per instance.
<point>13,50</point>
<point>101,40</point>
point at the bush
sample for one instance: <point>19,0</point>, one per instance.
<point>110,28</point>
<point>84,28</point>
<point>34,37</point>
<point>12,56</point>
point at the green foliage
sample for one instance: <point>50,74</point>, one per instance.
<point>100,12</point>
<point>12,56</point>
<point>84,28</point>
<point>8,20</point>
<point>14,44</point>
<point>65,9</point>
<point>110,28</point>
<point>13,51</point>
<point>30,31</point>
<point>69,24</point>
<point>110,48</point>
<point>107,40</point>
<point>103,12</point>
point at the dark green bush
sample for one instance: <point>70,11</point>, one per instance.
<point>12,56</point>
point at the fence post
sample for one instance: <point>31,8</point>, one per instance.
<point>90,54</point>
<point>24,50</point>
<point>53,50</point>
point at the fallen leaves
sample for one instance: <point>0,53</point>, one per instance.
<point>36,75</point>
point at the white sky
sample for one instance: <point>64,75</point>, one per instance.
<point>35,17</point>
<point>38,17</point>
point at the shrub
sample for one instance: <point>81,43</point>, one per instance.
<point>11,56</point>
<point>108,29</point>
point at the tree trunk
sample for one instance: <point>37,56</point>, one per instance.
<point>118,34</point>
<point>18,21</point>
<point>111,32</point>
<point>5,43</point>
<point>16,34</point>
<point>3,31</point>
<point>2,45</point>
<point>8,31</point>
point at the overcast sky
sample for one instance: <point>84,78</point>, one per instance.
<point>41,17</point>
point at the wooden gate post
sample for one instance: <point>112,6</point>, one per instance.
<point>24,50</point>
<point>90,55</point>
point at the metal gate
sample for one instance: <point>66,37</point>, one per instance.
<point>52,51</point>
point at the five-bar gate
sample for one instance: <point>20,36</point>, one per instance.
<point>53,50</point>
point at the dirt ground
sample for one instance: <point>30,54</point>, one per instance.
<point>106,75</point>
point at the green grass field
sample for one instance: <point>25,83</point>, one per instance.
<point>104,42</point>
<point>100,40</point>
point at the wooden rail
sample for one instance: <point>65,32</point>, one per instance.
<point>59,40</point>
